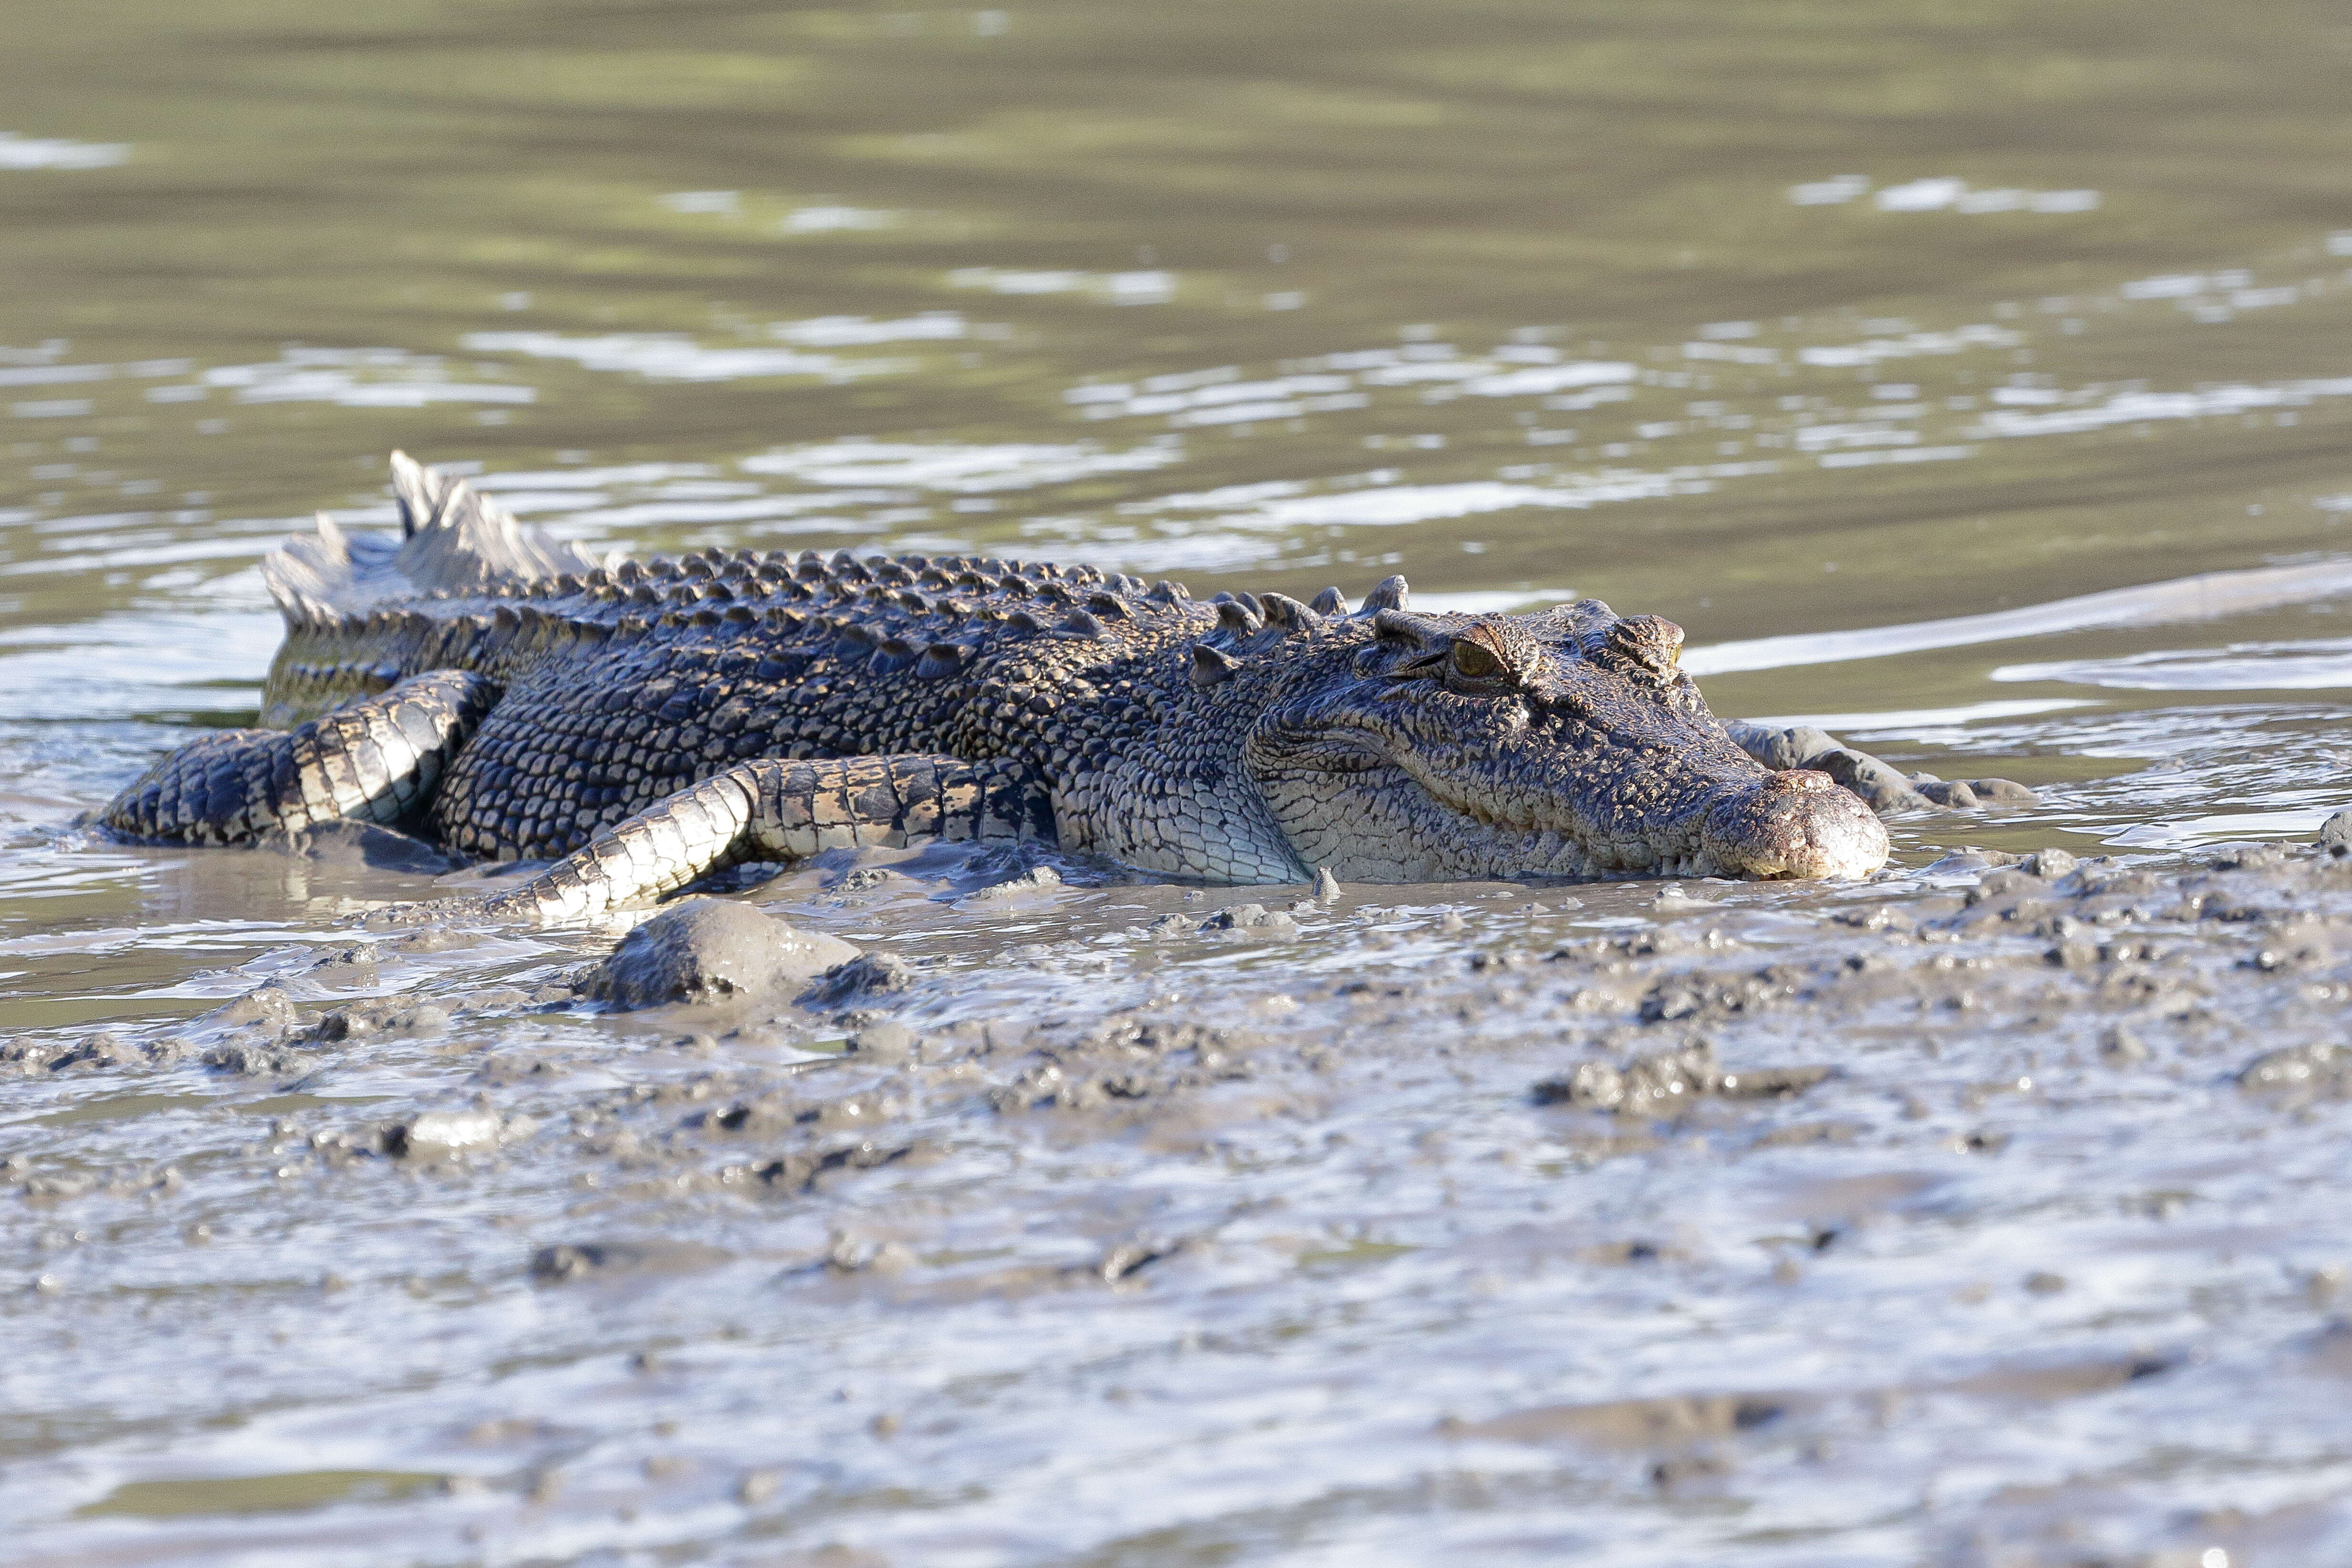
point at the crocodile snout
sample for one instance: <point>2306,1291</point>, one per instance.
<point>1798,825</point>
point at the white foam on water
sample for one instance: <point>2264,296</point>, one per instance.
<point>1550,378</point>
<point>2314,666</point>
<point>958,469</point>
<point>672,356</point>
<point>1832,192</point>
<point>838,220</point>
<point>855,331</point>
<point>1944,193</point>
<point>1927,718</point>
<point>28,152</point>
<point>2219,828</point>
<point>2202,597</point>
<point>726,202</point>
<point>1909,345</point>
<point>358,378</point>
<point>138,661</point>
<point>2144,407</point>
<point>1151,288</point>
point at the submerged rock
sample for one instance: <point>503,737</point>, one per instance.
<point>710,950</point>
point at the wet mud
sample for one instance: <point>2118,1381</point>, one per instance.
<point>1624,1238</point>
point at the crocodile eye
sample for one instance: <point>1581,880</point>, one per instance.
<point>1476,662</point>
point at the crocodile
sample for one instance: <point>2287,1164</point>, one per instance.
<point>642,724</point>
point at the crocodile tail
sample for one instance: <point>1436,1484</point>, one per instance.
<point>455,539</point>
<point>317,577</point>
<point>452,539</point>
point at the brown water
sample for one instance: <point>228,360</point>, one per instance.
<point>1779,319</point>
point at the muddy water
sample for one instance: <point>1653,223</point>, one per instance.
<point>1882,346</point>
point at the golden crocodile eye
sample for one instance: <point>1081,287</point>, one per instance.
<point>1476,662</point>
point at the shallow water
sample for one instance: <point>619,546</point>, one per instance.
<point>1973,381</point>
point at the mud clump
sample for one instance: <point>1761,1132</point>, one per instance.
<point>444,1133</point>
<point>571,1261</point>
<point>867,974</point>
<point>709,950</point>
<point>265,1009</point>
<point>1274,923</point>
<point>1036,882</point>
<point>1667,1081</point>
<point>357,845</point>
<point>2335,834</point>
<point>883,1043</point>
<point>2317,1071</point>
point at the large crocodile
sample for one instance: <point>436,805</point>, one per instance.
<point>651,723</point>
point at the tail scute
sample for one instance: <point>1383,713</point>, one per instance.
<point>455,538</point>
<point>452,539</point>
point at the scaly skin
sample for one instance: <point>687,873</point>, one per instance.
<point>1237,740</point>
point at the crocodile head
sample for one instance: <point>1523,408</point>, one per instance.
<point>1446,747</point>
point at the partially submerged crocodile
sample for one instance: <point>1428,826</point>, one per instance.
<point>650,723</point>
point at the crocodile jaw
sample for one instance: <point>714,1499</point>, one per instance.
<point>1800,826</point>
<point>1410,785</point>
<point>1382,824</point>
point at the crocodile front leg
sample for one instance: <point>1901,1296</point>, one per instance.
<point>376,760</point>
<point>769,809</point>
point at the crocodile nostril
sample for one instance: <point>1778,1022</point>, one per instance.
<point>1797,825</point>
